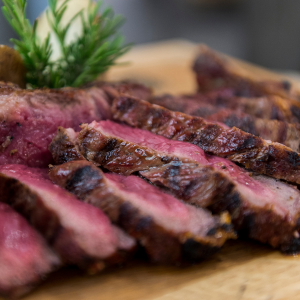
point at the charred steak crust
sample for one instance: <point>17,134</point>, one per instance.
<point>254,153</point>
<point>274,130</point>
<point>63,238</point>
<point>63,148</point>
<point>163,246</point>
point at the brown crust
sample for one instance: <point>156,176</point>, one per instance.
<point>63,149</point>
<point>261,224</point>
<point>276,131</point>
<point>186,179</point>
<point>86,181</point>
<point>254,153</point>
<point>29,204</point>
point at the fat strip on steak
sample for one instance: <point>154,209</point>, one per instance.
<point>170,230</point>
<point>80,233</point>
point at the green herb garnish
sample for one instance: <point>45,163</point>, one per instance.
<point>90,54</point>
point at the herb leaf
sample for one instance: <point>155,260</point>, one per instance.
<point>90,54</point>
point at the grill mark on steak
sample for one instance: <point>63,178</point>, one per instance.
<point>195,178</point>
<point>25,258</point>
<point>254,153</point>
<point>162,224</point>
<point>80,233</point>
<point>276,131</point>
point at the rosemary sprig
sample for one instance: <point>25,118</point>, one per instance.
<point>81,61</point>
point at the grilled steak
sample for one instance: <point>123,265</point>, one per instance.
<point>171,231</point>
<point>263,208</point>
<point>276,131</point>
<point>215,70</point>
<point>264,157</point>
<point>79,232</point>
<point>29,120</point>
<point>25,258</point>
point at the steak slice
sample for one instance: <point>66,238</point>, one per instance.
<point>29,120</point>
<point>215,70</point>
<point>25,258</point>
<point>261,156</point>
<point>170,230</point>
<point>276,131</point>
<point>79,232</point>
<point>262,208</point>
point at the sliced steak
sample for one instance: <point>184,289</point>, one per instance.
<point>29,120</point>
<point>170,230</point>
<point>25,259</point>
<point>276,131</point>
<point>215,70</point>
<point>79,232</point>
<point>261,156</point>
<point>262,208</point>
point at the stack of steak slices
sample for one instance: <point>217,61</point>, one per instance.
<point>76,233</point>
<point>254,153</point>
<point>261,207</point>
<point>169,230</point>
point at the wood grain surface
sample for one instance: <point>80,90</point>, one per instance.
<point>243,270</point>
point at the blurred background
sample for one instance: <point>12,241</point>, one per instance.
<point>264,32</point>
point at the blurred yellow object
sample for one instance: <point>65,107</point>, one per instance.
<point>11,66</point>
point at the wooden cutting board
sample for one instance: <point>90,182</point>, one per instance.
<point>243,270</point>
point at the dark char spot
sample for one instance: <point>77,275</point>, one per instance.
<point>294,158</point>
<point>83,181</point>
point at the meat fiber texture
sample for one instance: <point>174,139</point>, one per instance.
<point>264,208</point>
<point>79,232</point>
<point>170,230</point>
<point>29,120</point>
<point>254,153</point>
<point>276,131</point>
<point>216,70</point>
<point>25,259</point>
